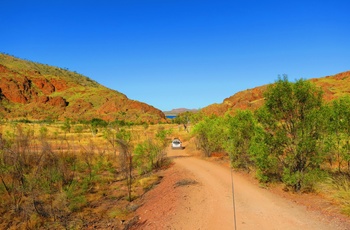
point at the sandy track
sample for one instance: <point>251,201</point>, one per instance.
<point>208,203</point>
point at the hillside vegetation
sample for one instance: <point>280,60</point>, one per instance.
<point>64,176</point>
<point>298,137</point>
<point>334,86</point>
<point>90,173</point>
<point>30,90</point>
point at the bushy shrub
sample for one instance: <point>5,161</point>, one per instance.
<point>210,134</point>
<point>293,126</point>
<point>150,154</point>
<point>240,131</point>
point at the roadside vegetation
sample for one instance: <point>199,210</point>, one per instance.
<point>295,139</point>
<point>73,175</point>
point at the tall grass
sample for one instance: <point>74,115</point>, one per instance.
<point>338,187</point>
<point>48,175</point>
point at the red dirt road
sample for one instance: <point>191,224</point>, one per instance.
<point>197,194</point>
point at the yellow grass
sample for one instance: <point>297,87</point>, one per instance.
<point>100,191</point>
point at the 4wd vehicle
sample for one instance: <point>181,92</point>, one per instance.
<point>176,144</point>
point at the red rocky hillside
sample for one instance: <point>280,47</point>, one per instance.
<point>35,91</point>
<point>333,86</point>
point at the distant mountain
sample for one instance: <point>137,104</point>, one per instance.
<point>333,86</point>
<point>36,91</point>
<point>178,111</point>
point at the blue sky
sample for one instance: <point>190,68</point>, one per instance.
<point>181,54</point>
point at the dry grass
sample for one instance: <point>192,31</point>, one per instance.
<point>338,189</point>
<point>96,196</point>
<point>148,182</point>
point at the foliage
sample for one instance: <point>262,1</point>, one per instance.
<point>188,117</point>
<point>150,154</point>
<point>266,164</point>
<point>339,186</point>
<point>210,134</point>
<point>339,132</point>
<point>31,174</point>
<point>110,135</point>
<point>238,134</point>
<point>145,156</point>
<point>48,181</point>
<point>125,155</point>
<point>289,139</point>
<point>66,127</point>
<point>43,132</point>
<point>291,121</point>
<point>95,124</point>
<point>183,119</point>
<point>162,136</point>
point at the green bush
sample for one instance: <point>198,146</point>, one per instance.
<point>210,134</point>
<point>266,164</point>
<point>147,156</point>
<point>151,154</point>
<point>240,131</point>
<point>292,121</point>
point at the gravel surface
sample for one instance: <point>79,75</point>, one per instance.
<point>197,194</point>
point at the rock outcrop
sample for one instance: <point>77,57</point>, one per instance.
<point>35,91</point>
<point>333,87</point>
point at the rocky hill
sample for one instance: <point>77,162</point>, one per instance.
<point>36,91</point>
<point>333,86</point>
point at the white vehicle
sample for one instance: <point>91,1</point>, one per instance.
<point>176,144</point>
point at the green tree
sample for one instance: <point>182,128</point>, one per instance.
<point>292,122</point>
<point>162,137</point>
<point>210,134</point>
<point>261,151</point>
<point>339,131</point>
<point>145,156</point>
<point>97,123</point>
<point>151,154</point>
<point>183,119</point>
<point>241,130</point>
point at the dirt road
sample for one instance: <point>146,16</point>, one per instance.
<point>197,194</point>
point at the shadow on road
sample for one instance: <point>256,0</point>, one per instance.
<point>178,156</point>
<point>174,153</point>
